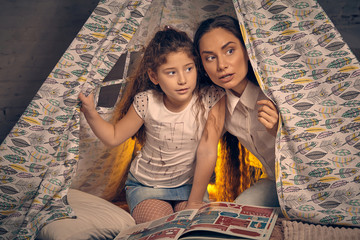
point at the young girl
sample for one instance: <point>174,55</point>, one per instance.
<point>250,115</point>
<point>175,120</point>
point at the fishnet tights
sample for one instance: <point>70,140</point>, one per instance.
<point>152,209</point>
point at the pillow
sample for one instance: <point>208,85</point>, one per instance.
<point>96,219</point>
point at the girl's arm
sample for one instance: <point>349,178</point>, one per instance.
<point>268,116</point>
<point>206,154</point>
<point>110,134</point>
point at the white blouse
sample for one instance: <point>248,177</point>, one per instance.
<point>242,122</point>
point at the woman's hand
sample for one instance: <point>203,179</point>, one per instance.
<point>268,116</point>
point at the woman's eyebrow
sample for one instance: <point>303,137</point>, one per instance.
<point>223,47</point>
<point>227,44</point>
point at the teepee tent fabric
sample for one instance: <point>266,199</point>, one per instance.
<point>307,69</point>
<point>46,152</point>
<point>303,66</point>
<point>39,156</point>
<point>107,166</point>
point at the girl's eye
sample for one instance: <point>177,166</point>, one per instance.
<point>171,73</point>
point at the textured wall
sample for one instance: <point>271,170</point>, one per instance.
<point>34,35</point>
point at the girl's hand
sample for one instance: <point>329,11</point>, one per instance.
<point>194,205</point>
<point>87,103</point>
<point>268,116</point>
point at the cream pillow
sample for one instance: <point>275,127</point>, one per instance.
<point>96,219</point>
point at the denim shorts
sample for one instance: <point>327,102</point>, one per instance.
<point>137,192</point>
<point>262,193</point>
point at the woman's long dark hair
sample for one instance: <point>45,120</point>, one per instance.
<point>236,175</point>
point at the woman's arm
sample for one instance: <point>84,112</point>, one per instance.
<point>268,115</point>
<point>111,135</point>
<point>206,154</point>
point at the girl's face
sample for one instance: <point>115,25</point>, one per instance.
<point>225,59</point>
<point>177,79</point>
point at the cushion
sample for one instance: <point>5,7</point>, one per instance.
<point>96,219</point>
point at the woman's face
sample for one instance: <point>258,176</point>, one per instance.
<point>225,59</point>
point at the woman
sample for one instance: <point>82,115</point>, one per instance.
<point>250,115</point>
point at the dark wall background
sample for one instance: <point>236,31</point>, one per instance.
<point>34,35</point>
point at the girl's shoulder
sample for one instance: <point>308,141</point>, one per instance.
<point>143,94</point>
<point>148,95</point>
<point>140,103</point>
<point>212,91</point>
<point>211,94</point>
<point>143,99</point>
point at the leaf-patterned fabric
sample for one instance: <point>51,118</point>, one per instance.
<point>39,156</point>
<point>307,69</point>
<point>302,63</point>
<point>99,171</point>
<point>51,147</point>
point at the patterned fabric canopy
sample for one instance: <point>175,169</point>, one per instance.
<point>302,64</point>
<point>310,73</point>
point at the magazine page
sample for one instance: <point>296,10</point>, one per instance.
<point>241,221</point>
<point>169,227</point>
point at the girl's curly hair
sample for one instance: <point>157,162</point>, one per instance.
<point>154,55</point>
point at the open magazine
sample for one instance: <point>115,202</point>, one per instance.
<point>216,220</point>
